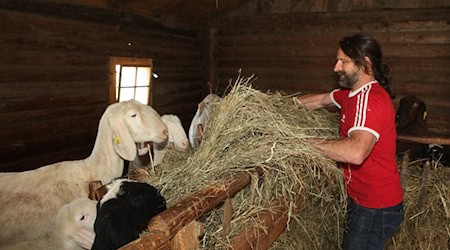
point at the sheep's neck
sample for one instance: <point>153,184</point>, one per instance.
<point>104,156</point>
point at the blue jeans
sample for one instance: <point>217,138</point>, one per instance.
<point>369,228</point>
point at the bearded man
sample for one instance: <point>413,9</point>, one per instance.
<point>366,148</point>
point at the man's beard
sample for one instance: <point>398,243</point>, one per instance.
<point>347,80</point>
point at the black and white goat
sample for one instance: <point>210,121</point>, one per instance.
<point>124,212</point>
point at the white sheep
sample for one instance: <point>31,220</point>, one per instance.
<point>73,229</point>
<point>29,200</point>
<point>177,136</point>
<point>200,120</point>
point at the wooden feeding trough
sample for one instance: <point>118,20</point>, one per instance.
<point>177,228</point>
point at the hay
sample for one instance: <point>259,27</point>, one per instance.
<point>426,227</point>
<point>249,129</point>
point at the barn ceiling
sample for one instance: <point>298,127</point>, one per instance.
<point>172,13</point>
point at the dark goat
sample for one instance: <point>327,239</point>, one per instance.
<point>124,212</point>
<point>411,116</point>
<point>411,119</point>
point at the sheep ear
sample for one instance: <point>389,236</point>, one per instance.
<point>122,140</point>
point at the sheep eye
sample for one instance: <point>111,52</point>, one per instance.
<point>82,218</point>
<point>133,115</point>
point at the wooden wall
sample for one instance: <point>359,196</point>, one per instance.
<point>54,76</point>
<point>54,62</point>
<point>296,51</point>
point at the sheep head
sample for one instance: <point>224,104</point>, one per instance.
<point>412,111</point>
<point>133,122</point>
<point>177,135</point>
<point>75,223</point>
<point>207,101</point>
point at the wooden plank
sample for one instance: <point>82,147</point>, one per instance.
<point>367,4</point>
<point>89,14</point>
<point>51,113</point>
<point>33,162</point>
<point>430,62</point>
<point>277,62</point>
<point>46,32</point>
<point>299,75</point>
<point>176,76</point>
<point>188,63</point>
<point>38,103</point>
<point>31,154</point>
<point>18,148</point>
<point>421,87</point>
<point>46,57</point>
<point>17,90</point>
<point>336,18</point>
<point>314,50</point>
<point>439,77</point>
<point>16,73</point>
<point>427,36</point>
<point>174,87</point>
<point>51,23</point>
<point>424,140</point>
<point>60,126</point>
<point>191,96</point>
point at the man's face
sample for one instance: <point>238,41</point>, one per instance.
<point>349,73</point>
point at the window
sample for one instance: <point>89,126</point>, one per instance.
<point>130,78</point>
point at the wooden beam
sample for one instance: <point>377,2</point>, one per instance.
<point>424,139</point>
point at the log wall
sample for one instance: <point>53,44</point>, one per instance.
<point>296,51</point>
<point>54,62</point>
<point>54,76</point>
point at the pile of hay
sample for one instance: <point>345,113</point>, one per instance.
<point>425,226</point>
<point>249,129</point>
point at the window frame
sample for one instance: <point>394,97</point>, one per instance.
<point>128,61</point>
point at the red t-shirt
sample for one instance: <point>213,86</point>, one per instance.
<point>376,182</point>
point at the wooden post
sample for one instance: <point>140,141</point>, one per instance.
<point>423,187</point>
<point>227,215</point>
<point>164,226</point>
<point>271,224</point>
<point>253,186</point>
<point>187,237</point>
<point>404,169</point>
